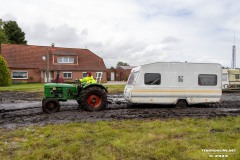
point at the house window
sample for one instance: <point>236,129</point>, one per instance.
<point>84,74</point>
<point>207,80</point>
<point>19,75</point>
<point>65,59</point>
<point>98,76</point>
<point>152,78</point>
<point>67,74</point>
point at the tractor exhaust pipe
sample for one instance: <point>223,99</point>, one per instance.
<point>57,77</point>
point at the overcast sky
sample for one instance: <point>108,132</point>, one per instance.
<point>133,31</point>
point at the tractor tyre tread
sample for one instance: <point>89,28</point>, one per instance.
<point>94,91</point>
<point>46,103</point>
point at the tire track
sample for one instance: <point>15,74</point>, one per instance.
<point>119,109</point>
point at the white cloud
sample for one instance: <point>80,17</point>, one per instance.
<point>62,35</point>
<point>134,31</point>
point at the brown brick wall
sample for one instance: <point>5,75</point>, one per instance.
<point>122,74</point>
<point>34,75</point>
<point>78,75</point>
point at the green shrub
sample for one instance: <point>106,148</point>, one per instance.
<point>5,77</point>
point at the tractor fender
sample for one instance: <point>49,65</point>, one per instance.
<point>95,85</point>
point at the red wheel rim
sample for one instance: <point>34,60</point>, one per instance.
<point>94,101</point>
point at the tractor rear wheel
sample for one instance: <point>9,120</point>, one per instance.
<point>79,102</point>
<point>94,99</point>
<point>50,105</point>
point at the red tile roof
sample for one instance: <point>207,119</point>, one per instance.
<point>30,56</point>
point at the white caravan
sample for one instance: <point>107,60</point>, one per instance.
<point>225,79</point>
<point>231,79</point>
<point>179,83</point>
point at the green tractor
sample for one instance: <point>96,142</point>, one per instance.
<point>91,97</point>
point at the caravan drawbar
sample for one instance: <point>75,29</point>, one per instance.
<point>179,83</point>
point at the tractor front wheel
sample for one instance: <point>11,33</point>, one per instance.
<point>94,99</point>
<point>50,105</point>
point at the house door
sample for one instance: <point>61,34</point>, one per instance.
<point>121,76</point>
<point>112,76</point>
<point>47,80</point>
<point>98,76</point>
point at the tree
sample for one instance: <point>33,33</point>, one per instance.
<point>122,64</point>
<point>1,23</point>
<point>14,32</point>
<point>3,37</point>
<point>112,67</point>
<point>5,76</point>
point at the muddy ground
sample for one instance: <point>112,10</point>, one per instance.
<point>18,109</point>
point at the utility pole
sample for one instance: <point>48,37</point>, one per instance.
<point>234,54</point>
<point>47,63</point>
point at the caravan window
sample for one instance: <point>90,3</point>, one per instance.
<point>224,77</point>
<point>237,76</point>
<point>132,78</point>
<point>207,80</point>
<point>152,78</point>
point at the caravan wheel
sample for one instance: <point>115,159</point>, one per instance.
<point>181,103</point>
<point>225,86</point>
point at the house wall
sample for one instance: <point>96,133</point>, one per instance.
<point>34,75</point>
<point>109,71</point>
<point>78,75</point>
<point>122,74</point>
<point>128,71</point>
<point>37,76</point>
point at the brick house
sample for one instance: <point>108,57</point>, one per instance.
<point>123,72</point>
<point>29,63</point>
<point>111,74</point>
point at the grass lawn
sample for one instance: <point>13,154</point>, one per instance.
<point>34,87</point>
<point>115,88</point>
<point>131,139</point>
<point>38,87</point>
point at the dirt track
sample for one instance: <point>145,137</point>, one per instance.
<point>23,109</point>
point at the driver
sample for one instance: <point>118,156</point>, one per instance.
<point>89,79</point>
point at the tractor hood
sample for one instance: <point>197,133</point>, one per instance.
<point>50,85</point>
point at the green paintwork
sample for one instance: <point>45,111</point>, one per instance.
<point>58,85</point>
<point>60,91</point>
<point>63,91</point>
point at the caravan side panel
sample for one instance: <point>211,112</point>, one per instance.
<point>177,81</point>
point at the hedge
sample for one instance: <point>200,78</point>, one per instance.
<point>5,76</point>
